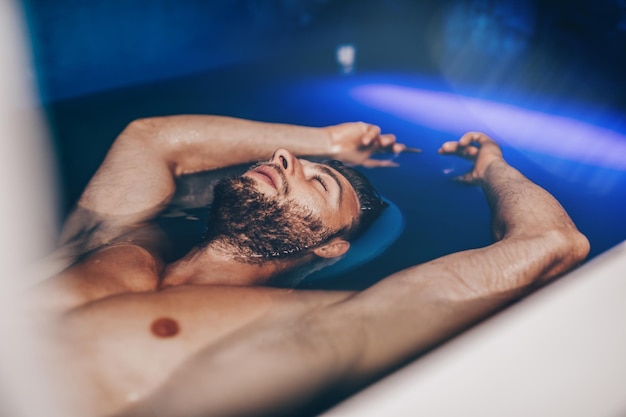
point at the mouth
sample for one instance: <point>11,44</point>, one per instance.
<point>267,175</point>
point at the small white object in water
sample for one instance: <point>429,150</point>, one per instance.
<point>346,55</point>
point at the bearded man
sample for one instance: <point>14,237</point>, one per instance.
<point>205,334</point>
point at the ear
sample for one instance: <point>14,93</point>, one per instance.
<point>336,247</point>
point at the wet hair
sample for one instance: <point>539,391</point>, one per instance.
<point>370,202</point>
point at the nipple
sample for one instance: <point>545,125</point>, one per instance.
<point>164,327</point>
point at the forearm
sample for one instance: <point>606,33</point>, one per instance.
<point>192,143</point>
<point>414,310</point>
<point>520,207</point>
<point>418,307</point>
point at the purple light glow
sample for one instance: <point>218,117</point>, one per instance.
<point>518,127</point>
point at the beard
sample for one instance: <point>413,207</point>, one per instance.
<point>258,227</point>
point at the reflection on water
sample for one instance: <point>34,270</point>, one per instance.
<point>558,136</point>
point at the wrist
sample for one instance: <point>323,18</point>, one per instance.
<point>490,168</point>
<point>330,144</point>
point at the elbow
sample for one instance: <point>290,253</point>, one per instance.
<point>576,246</point>
<point>142,128</point>
<point>145,134</point>
<point>569,247</point>
<point>582,246</point>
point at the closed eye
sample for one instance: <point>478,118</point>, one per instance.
<point>321,181</point>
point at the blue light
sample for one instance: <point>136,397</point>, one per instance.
<point>547,134</point>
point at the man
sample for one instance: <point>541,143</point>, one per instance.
<point>279,215</point>
<point>204,336</point>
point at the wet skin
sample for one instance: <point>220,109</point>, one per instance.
<point>215,341</point>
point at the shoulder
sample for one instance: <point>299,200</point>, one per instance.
<point>109,271</point>
<point>119,267</point>
<point>128,257</point>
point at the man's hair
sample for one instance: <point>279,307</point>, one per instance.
<point>370,202</point>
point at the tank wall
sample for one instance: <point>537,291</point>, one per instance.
<point>572,49</point>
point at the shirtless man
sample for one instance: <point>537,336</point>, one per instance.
<point>204,336</point>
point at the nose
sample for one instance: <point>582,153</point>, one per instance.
<point>285,160</point>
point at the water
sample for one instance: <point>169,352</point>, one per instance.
<point>440,216</point>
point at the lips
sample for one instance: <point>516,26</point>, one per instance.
<point>267,175</point>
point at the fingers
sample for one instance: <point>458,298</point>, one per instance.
<point>371,141</point>
<point>477,147</point>
<point>457,148</point>
<point>371,135</point>
<point>478,137</point>
<point>388,143</point>
<point>468,139</point>
<point>378,142</point>
<point>374,139</point>
<point>387,140</point>
<point>396,148</point>
<point>469,145</point>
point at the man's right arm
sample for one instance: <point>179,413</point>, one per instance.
<point>137,178</point>
<point>279,363</point>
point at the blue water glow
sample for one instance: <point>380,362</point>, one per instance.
<point>518,127</point>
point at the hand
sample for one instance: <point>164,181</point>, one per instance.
<point>476,147</point>
<point>355,143</point>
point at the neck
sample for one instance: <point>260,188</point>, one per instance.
<point>215,265</point>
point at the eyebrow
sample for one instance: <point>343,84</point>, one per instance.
<point>331,174</point>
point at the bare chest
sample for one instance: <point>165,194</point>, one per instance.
<point>126,346</point>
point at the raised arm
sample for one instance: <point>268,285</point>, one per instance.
<point>283,362</point>
<point>139,169</point>
<point>137,177</point>
<point>415,308</point>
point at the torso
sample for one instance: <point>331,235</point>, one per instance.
<point>122,342</point>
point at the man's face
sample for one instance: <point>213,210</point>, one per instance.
<point>282,208</point>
